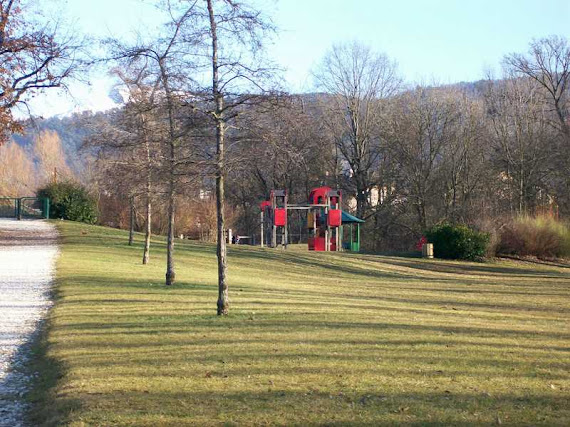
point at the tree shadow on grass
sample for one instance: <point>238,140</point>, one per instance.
<point>315,262</point>
<point>46,373</point>
<point>281,323</point>
<point>330,407</point>
<point>341,264</point>
<point>46,407</point>
<point>471,268</point>
<point>94,240</point>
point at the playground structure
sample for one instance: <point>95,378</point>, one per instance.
<point>24,207</point>
<point>325,221</point>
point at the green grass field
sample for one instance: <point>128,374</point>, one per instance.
<point>311,339</point>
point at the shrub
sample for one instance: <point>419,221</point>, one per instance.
<point>491,226</point>
<point>541,236</point>
<point>70,201</point>
<point>457,242</point>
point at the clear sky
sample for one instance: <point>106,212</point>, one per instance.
<point>441,41</point>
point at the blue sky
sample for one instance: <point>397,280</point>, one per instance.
<point>441,41</point>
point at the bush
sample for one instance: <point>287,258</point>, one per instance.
<point>70,201</point>
<point>541,236</point>
<point>457,242</point>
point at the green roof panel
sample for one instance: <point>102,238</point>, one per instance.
<point>350,219</point>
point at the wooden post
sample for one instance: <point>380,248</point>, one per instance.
<point>327,231</point>
<point>299,216</point>
<point>262,226</point>
<point>314,223</point>
<point>274,235</point>
<point>427,250</point>
<point>286,226</point>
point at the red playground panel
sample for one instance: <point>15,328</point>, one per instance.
<point>318,244</point>
<point>280,217</point>
<point>335,218</point>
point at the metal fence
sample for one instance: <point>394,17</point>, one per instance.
<point>24,207</point>
<point>8,207</point>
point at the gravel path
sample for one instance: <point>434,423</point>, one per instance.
<point>28,250</point>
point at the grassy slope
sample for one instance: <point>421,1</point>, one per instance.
<point>312,338</point>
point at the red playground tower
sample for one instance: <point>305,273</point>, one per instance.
<point>274,217</point>
<point>324,220</point>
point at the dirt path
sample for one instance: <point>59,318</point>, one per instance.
<point>27,255</point>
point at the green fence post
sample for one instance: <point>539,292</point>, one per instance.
<point>19,209</point>
<point>46,208</point>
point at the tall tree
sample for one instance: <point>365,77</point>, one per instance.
<point>237,33</point>
<point>226,38</point>
<point>358,80</point>
<point>126,145</point>
<point>521,136</point>
<point>548,65</point>
<point>166,68</point>
<point>421,125</point>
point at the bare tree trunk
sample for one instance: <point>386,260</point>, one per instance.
<point>170,274</point>
<point>148,228</point>
<point>361,201</point>
<point>148,231</point>
<point>132,221</point>
<point>223,300</point>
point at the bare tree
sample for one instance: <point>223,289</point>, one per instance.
<point>421,126</point>
<point>139,109</point>
<point>236,31</point>
<point>521,135</point>
<point>165,67</point>
<point>465,157</point>
<point>358,80</point>
<point>224,38</point>
<point>548,65</point>
<point>125,146</point>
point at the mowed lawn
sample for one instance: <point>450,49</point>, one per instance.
<point>311,339</point>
